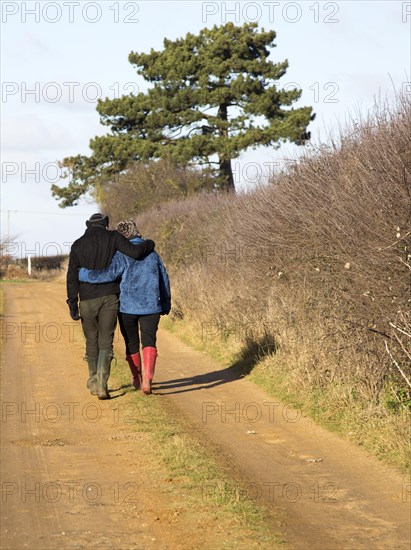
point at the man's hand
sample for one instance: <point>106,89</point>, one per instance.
<point>74,311</point>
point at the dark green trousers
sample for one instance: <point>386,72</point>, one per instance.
<point>99,319</point>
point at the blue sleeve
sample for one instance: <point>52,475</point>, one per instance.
<point>112,273</point>
<point>165,293</point>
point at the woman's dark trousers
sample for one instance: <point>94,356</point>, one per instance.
<point>132,325</point>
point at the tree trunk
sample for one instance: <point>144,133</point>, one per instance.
<point>226,172</point>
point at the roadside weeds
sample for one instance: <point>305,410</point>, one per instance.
<point>336,408</point>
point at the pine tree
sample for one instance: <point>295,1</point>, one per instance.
<point>213,95</point>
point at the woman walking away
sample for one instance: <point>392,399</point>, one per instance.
<point>144,296</point>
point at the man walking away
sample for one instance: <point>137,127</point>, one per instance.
<point>98,302</point>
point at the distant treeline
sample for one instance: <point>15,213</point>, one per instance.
<point>42,263</point>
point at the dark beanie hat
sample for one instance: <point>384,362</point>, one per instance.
<point>97,219</point>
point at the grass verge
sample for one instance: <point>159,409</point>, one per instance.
<point>198,476</point>
<point>383,431</point>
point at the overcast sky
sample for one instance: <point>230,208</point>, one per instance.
<point>58,57</point>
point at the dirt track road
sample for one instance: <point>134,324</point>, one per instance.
<point>69,465</point>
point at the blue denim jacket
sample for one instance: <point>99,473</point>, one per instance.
<point>144,286</point>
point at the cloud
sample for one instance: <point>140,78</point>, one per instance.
<point>30,133</point>
<point>23,48</point>
<point>34,44</point>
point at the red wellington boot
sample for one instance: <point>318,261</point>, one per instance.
<point>134,362</point>
<point>149,364</point>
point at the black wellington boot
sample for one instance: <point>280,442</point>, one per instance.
<point>103,373</point>
<point>92,371</point>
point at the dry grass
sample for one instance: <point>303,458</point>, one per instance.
<point>313,268</point>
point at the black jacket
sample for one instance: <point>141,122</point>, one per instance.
<point>95,250</point>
